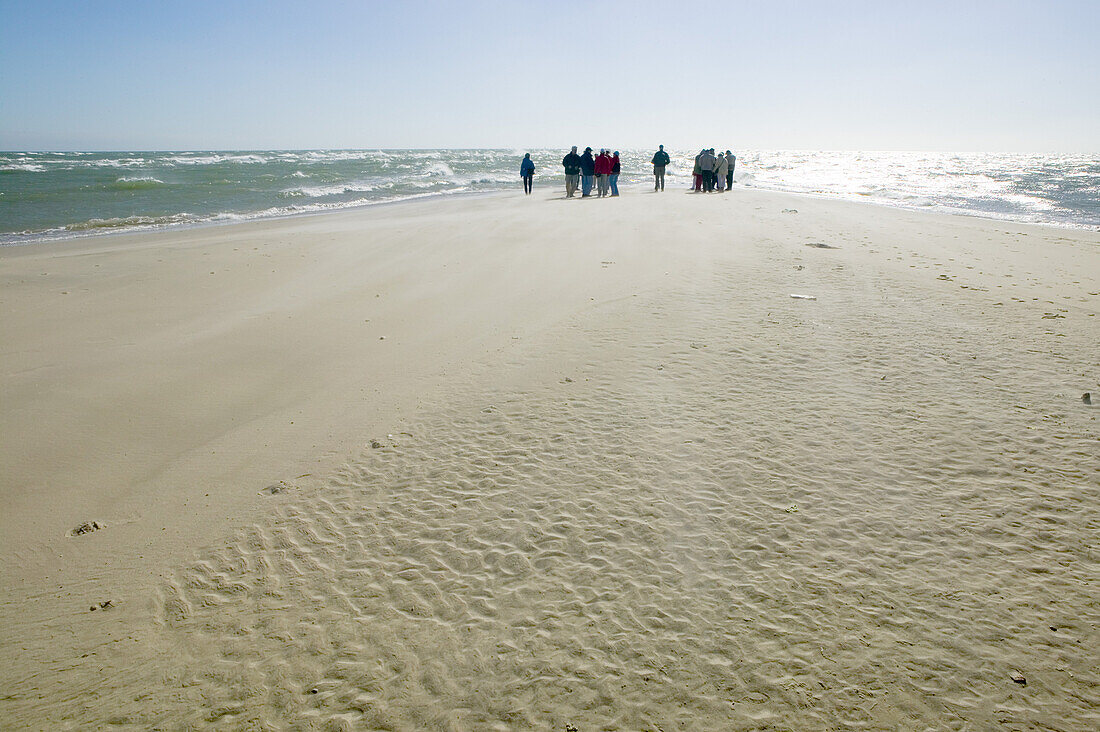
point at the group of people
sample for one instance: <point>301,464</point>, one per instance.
<point>713,173</point>
<point>601,171</point>
<point>586,170</point>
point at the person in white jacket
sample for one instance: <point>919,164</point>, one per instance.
<point>721,168</point>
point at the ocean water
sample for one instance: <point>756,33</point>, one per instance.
<point>58,195</point>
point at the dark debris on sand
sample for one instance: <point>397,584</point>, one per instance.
<point>86,528</point>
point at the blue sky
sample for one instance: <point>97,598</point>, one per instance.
<point>1011,76</point>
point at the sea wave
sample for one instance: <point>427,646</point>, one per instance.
<point>219,159</point>
<point>137,184</point>
<point>116,163</point>
<point>144,223</point>
<point>129,222</point>
<point>440,169</point>
<point>323,191</point>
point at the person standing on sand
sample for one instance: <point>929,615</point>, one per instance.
<point>613,179</point>
<point>697,172</point>
<point>706,170</point>
<point>732,160</point>
<point>588,170</point>
<point>603,170</point>
<point>527,172</point>
<point>660,160</point>
<point>721,171</point>
<point>572,164</point>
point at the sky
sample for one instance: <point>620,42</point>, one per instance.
<point>967,75</point>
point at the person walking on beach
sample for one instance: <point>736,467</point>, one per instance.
<point>721,171</point>
<point>613,179</point>
<point>527,172</point>
<point>572,164</point>
<point>732,160</point>
<point>588,171</point>
<point>660,160</point>
<point>603,170</point>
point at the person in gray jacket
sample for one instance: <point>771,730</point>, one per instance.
<point>706,169</point>
<point>732,160</point>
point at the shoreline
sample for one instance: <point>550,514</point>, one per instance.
<point>639,187</point>
<point>245,219</point>
<point>537,352</point>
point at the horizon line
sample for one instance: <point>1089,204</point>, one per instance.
<point>544,147</point>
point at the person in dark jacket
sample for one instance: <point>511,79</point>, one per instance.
<point>729,174</point>
<point>527,172</point>
<point>588,171</point>
<point>613,179</point>
<point>572,165</point>
<point>660,160</point>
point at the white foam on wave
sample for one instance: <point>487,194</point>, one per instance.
<point>216,159</point>
<point>440,169</point>
<point>337,189</point>
<point>137,183</point>
<point>116,163</point>
<point>337,156</point>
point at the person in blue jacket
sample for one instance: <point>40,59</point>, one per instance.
<point>527,172</point>
<point>588,172</point>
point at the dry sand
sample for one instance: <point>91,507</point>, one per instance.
<point>510,463</point>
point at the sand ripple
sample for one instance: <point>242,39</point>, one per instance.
<point>727,518</point>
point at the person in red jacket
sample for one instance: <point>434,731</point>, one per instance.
<point>603,171</point>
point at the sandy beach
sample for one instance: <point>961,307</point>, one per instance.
<point>677,461</point>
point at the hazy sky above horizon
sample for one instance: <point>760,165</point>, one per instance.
<point>285,74</point>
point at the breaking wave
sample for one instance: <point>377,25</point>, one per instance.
<point>136,184</point>
<point>129,222</point>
